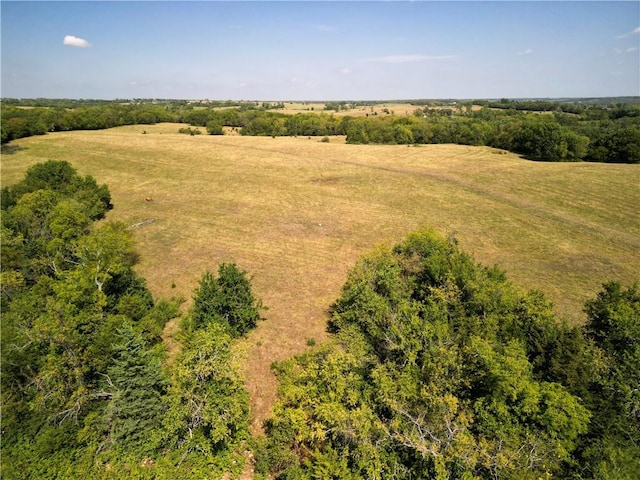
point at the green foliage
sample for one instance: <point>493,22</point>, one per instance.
<point>83,393</point>
<point>56,312</point>
<point>83,390</point>
<point>61,327</point>
<point>337,106</point>
<point>561,137</point>
<point>60,178</point>
<point>614,320</point>
<point>265,123</point>
<point>440,368</point>
<point>208,406</point>
<point>612,448</point>
<point>544,139</point>
<point>615,143</point>
<point>226,299</point>
<point>190,131</point>
<point>62,115</point>
<point>136,387</point>
<point>214,128</point>
<point>601,130</point>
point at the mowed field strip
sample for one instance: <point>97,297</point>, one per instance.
<point>296,213</point>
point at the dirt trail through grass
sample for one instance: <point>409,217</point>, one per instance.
<point>296,213</point>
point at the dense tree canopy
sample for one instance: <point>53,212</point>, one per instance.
<point>440,368</point>
<point>84,390</point>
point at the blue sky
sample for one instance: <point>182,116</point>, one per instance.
<point>320,50</point>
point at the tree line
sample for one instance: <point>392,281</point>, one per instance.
<point>19,122</point>
<point>547,131</point>
<point>546,137</point>
<point>606,136</point>
<point>437,366</point>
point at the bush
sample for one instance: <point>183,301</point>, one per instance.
<point>214,128</point>
<point>190,131</point>
<point>226,299</point>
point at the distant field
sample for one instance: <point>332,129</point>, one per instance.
<point>296,213</point>
<point>399,109</point>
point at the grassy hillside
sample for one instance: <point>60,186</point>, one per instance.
<point>297,212</point>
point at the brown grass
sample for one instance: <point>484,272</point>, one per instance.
<point>296,213</point>
<point>398,109</point>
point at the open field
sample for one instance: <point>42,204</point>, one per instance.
<point>296,213</point>
<point>398,109</point>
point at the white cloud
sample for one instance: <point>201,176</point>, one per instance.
<point>635,31</point>
<point>73,41</point>
<point>528,51</point>
<point>345,71</point>
<point>408,58</point>
<point>619,51</point>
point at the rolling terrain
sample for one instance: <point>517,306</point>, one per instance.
<point>296,213</point>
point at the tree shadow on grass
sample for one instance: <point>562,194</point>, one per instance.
<point>8,149</point>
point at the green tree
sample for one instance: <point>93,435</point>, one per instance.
<point>541,140</point>
<point>214,127</point>
<point>136,387</point>
<point>428,376</point>
<point>619,145</point>
<point>208,405</point>
<point>65,323</point>
<point>577,146</point>
<point>60,178</point>
<point>612,447</point>
<point>80,336</point>
<point>104,253</point>
<point>226,299</point>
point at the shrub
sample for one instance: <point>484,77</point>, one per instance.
<point>226,299</point>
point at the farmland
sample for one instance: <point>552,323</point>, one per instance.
<point>296,213</point>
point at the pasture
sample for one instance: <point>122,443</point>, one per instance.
<point>398,109</point>
<point>296,213</point>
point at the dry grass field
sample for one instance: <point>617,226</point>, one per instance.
<point>398,109</point>
<point>296,213</point>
